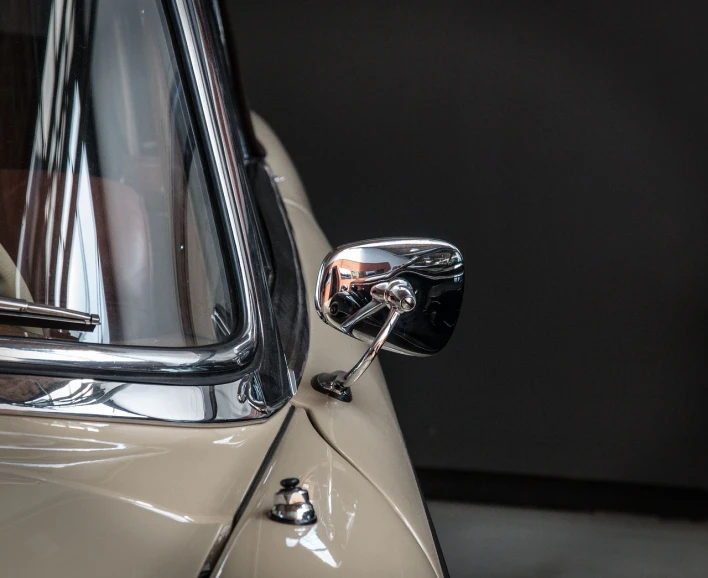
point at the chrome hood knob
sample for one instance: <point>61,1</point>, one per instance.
<point>292,504</point>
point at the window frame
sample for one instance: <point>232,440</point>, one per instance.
<point>248,373</point>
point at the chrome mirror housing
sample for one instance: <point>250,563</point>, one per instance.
<point>403,295</point>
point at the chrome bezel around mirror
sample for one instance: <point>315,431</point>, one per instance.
<point>399,294</point>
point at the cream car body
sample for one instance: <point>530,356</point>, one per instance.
<point>85,495</point>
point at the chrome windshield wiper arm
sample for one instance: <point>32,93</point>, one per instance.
<point>36,314</point>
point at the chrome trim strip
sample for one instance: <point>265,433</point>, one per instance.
<point>23,309</point>
<point>221,146</point>
<point>149,403</point>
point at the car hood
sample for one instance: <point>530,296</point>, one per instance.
<point>83,498</point>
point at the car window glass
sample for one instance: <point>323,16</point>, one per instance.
<point>105,205</point>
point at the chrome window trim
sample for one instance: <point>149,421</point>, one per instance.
<point>91,376</point>
<point>94,400</point>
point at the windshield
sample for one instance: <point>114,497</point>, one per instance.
<point>104,201</point>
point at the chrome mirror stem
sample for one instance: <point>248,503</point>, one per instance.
<point>371,353</point>
<point>399,297</point>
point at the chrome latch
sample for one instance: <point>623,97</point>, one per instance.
<point>292,504</point>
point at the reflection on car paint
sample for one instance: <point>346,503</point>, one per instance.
<point>357,532</point>
<point>312,542</point>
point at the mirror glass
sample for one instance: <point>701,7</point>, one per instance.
<point>351,282</point>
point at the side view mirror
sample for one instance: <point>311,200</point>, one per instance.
<point>403,295</point>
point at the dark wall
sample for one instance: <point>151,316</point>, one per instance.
<point>563,149</point>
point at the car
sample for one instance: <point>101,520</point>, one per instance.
<point>171,402</point>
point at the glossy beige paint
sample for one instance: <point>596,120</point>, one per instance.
<point>365,431</point>
<point>85,499</point>
<point>356,534</point>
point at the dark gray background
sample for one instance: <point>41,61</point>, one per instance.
<point>562,146</point>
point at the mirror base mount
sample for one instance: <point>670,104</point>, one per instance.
<point>332,384</point>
